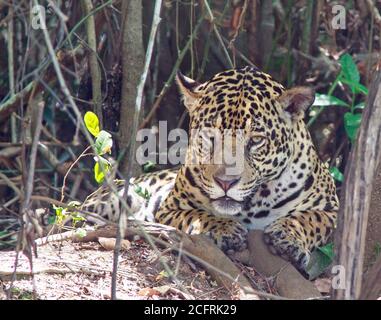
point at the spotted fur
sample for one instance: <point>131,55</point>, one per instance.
<point>283,188</point>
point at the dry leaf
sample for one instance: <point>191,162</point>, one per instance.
<point>163,289</point>
<point>109,243</point>
<point>148,292</point>
<point>163,274</point>
<point>323,285</point>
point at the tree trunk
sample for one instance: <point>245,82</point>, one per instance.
<point>371,288</point>
<point>373,232</point>
<point>356,196</point>
<point>132,67</point>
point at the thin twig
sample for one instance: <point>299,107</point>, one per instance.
<point>10,184</point>
<point>239,26</point>
<point>218,35</point>
<point>167,84</point>
<point>61,79</point>
<point>13,102</point>
<point>83,154</point>
<point>11,71</point>
<point>374,11</point>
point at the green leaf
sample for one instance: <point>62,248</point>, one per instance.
<point>359,106</point>
<point>327,250</point>
<point>103,143</point>
<point>336,174</point>
<point>355,86</point>
<point>164,274</point>
<point>61,214</point>
<point>138,189</point>
<point>148,167</point>
<point>74,204</point>
<point>352,122</point>
<point>320,261</point>
<point>92,123</point>
<point>100,174</point>
<point>144,193</point>
<point>58,210</point>
<point>323,100</point>
<point>81,232</point>
<point>102,160</point>
<point>52,219</point>
<point>349,69</point>
<point>76,217</point>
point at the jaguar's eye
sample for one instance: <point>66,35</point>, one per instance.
<point>256,142</point>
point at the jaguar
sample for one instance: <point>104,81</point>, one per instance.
<point>278,184</point>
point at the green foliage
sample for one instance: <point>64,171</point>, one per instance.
<point>100,170</point>
<point>352,122</point>
<point>324,100</point>
<point>321,259</point>
<point>359,106</point>
<point>92,123</point>
<point>21,294</point>
<point>148,167</point>
<point>142,192</point>
<point>62,214</point>
<point>349,76</point>
<point>103,144</point>
<point>336,174</point>
<point>327,251</point>
<point>51,219</point>
<point>80,232</point>
<point>356,88</point>
<point>349,69</point>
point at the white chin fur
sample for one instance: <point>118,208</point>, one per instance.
<point>226,208</point>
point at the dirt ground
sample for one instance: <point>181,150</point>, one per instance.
<point>82,271</point>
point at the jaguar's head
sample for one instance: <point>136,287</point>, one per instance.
<point>242,128</point>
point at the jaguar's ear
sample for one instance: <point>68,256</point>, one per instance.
<point>188,89</point>
<point>296,101</point>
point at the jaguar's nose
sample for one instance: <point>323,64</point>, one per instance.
<point>226,184</point>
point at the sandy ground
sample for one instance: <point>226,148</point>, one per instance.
<point>67,270</point>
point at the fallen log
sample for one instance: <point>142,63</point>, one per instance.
<point>289,282</point>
